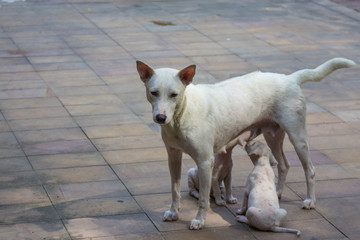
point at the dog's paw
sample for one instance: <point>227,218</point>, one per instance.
<point>232,200</point>
<point>220,202</point>
<point>170,215</point>
<point>308,204</point>
<point>196,224</point>
<point>240,211</point>
<point>242,219</point>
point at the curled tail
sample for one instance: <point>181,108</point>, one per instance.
<point>286,230</point>
<point>322,71</point>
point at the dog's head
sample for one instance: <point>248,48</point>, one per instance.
<point>165,89</point>
<point>255,150</point>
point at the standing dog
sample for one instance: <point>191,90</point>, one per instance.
<point>200,119</point>
<point>261,203</point>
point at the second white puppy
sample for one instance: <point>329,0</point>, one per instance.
<point>261,204</point>
<point>221,176</point>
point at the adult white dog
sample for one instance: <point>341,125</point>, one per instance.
<point>260,207</point>
<point>200,119</point>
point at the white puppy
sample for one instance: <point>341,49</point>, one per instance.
<point>221,176</point>
<point>261,204</point>
<point>200,119</point>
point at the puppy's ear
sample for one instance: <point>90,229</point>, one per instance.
<point>186,75</point>
<point>144,71</point>
<point>272,159</point>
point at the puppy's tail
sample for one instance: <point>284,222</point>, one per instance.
<point>286,230</point>
<point>322,71</point>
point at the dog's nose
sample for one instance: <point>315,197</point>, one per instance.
<point>160,118</point>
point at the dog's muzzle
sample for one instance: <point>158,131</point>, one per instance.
<point>160,118</point>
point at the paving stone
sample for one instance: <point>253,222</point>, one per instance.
<point>34,113</point>
<point>87,190</point>
<point>116,131</point>
<point>329,188</point>
<point>15,164</point>
<point>76,175</point>
<point>66,160</point>
<point>25,213</point>
<point>156,205</point>
<point>56,147</point>
<point>42,123</point>
<point>48,135</point>
<point>133,156</point>
<point>211,233</point>
<point>128,142</point>
<point>109,225</point>
<point>35,230</point>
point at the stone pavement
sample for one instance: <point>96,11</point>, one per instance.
<point>80,156</point>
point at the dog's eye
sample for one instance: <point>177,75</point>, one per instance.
<point>154,93</point>
<point>173,95</point>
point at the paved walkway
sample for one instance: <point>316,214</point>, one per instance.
<point>80,156</point>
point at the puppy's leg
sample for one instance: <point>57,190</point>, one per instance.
<point>298,137</point>
<point>229,197</point>
<point>192,180</point>
<point>174,160</point>
<point>205,172</point>
<point>244,207</point>
<point>276,145</point>
<point>215,184</point>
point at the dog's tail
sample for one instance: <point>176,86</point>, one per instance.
<point>286,230</point>
<point>322,71</point>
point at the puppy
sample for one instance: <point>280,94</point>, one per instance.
<point>261,204</point>
<point>221,176</point>
<point>200,119</point>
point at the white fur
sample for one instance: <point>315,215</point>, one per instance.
<point>200,119</point>
<point>221,176</point>
<point>260,206</point>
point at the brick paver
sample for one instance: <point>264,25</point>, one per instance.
<point>80,155</point>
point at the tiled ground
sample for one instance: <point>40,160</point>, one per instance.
<point>80,156</point>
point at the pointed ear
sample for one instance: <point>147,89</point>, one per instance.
<point>186,75</point>
<point>144,71</point>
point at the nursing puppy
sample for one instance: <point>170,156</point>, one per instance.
<point>221,176</point>
<point>261,204</point>
<point>200,119</point>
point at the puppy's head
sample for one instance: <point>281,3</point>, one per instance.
<point>165,89</point>
<point>255,150</point>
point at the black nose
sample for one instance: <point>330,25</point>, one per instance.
<point>160,118</point>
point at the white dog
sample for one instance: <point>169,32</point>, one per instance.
<point>221,176</point>
<point>261,204</point>
<point>200,119</point>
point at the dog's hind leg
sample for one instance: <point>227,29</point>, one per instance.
<point>298,137</point>
<point>174,160</point>
<point>275,142</point>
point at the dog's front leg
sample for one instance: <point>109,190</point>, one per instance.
<point>174,160</point>
<point>205,172</point>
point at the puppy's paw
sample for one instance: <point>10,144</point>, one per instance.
<point>240,211</point>
<point>196,224</point>
<point>220,202</point>
<point>242,219</point>
<point>170,215</point>
<point>232,200</point>
<point>308,204</point>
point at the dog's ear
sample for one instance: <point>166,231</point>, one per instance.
<point>186,75</point>
<point>144,71</point>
